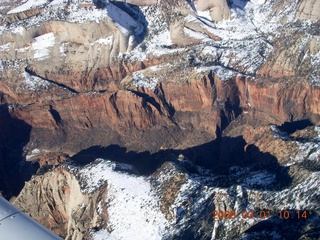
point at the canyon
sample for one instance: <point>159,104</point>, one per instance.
<point>208,105</point>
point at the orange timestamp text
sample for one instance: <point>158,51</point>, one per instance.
<point>262,214</point>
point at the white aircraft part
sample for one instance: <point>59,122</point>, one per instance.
<point>16,225</point>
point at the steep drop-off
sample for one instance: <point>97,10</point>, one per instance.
<point>164,86</point>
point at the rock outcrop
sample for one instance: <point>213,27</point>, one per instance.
<point>182,199</point>
<point>219,9</point>
<point>309,9</point>
<point>56,201</point>
<point>142,2</point>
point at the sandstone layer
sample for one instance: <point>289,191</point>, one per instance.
<point>146,82</point>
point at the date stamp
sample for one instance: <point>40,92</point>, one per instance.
<point>262,214</point>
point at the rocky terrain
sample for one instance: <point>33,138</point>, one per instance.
<point>118,114</point>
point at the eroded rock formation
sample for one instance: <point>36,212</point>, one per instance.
<point>61,206</point>
<point>219,9</point>
<point>204,79</point>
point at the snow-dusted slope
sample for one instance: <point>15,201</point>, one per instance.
<point>132,206</point>
<point>179,198</point>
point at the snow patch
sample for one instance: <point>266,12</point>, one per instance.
<point>279,134</point>
<point>34,153</point>
<point>82,15</point>
<point>58,2</point>
<point>261,179</point>
<point>34,82</point>
<point>105,41</point>
<point>132,206</point>
<point>209,50</point>
<point>309,150</point>
<point>28,5</point>
<point>5,47</point>
<point>160,66</point>
<point>102,235</point>
<point>139,80</point>
<point>205,14</point>
<point>42,44</point>
<point>222,72</point>
<point>22,50</point>
<point>62,49</point>
<point>195,35</point>
<point>18,30</point>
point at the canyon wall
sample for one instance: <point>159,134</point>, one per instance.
<point>165,86</point>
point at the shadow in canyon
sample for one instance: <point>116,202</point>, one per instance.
<point>291,127</point>
<point>139,30</point>
<point>238,3</point>
<point>218,156</point>
<point>225,153</point>
<point>14,170</point>
<point>144,162</point>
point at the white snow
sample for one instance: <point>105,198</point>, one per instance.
<point>62,50</point>
<point>299,197</point>
<point>82,15</point>
<point>160,66</point>
<point>102,235</point>
<point>260,179</point>
<point>133,208</point>
<point>22,50</point>
<point>42,44</point>
<point>194,34</point>
<point>18,30</point>
<point>159,43</point>
<point>28,5</point>
<point>205,14</point>
<point>279,134</point>
<point>34,153</point>
<point>222,72</point>
<point>58,2</point>
<point>308,150</point>
<point>258,2</point>
<point>317,129</point>
<point>209,50</point>
<point>34,82</point>
<point>105,41</point>
<point>163,38</point>
<point>5,47</point>
<point>139,80</point>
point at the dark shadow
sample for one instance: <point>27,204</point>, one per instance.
<point>222,154</point>
<point>100,3</point>
<point>14,170</point>
<point>288,229</point>
<point>144,162</point>
<point>55,114</point>
<point>238,3</point>
<point>311,166</point>
<point>32,73</point>
<point>135,13</point>
<point>192,5</point>
<point>291,127</point>
<point>148,99</point>
<point>218,156</point>
<point>124,17</point>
